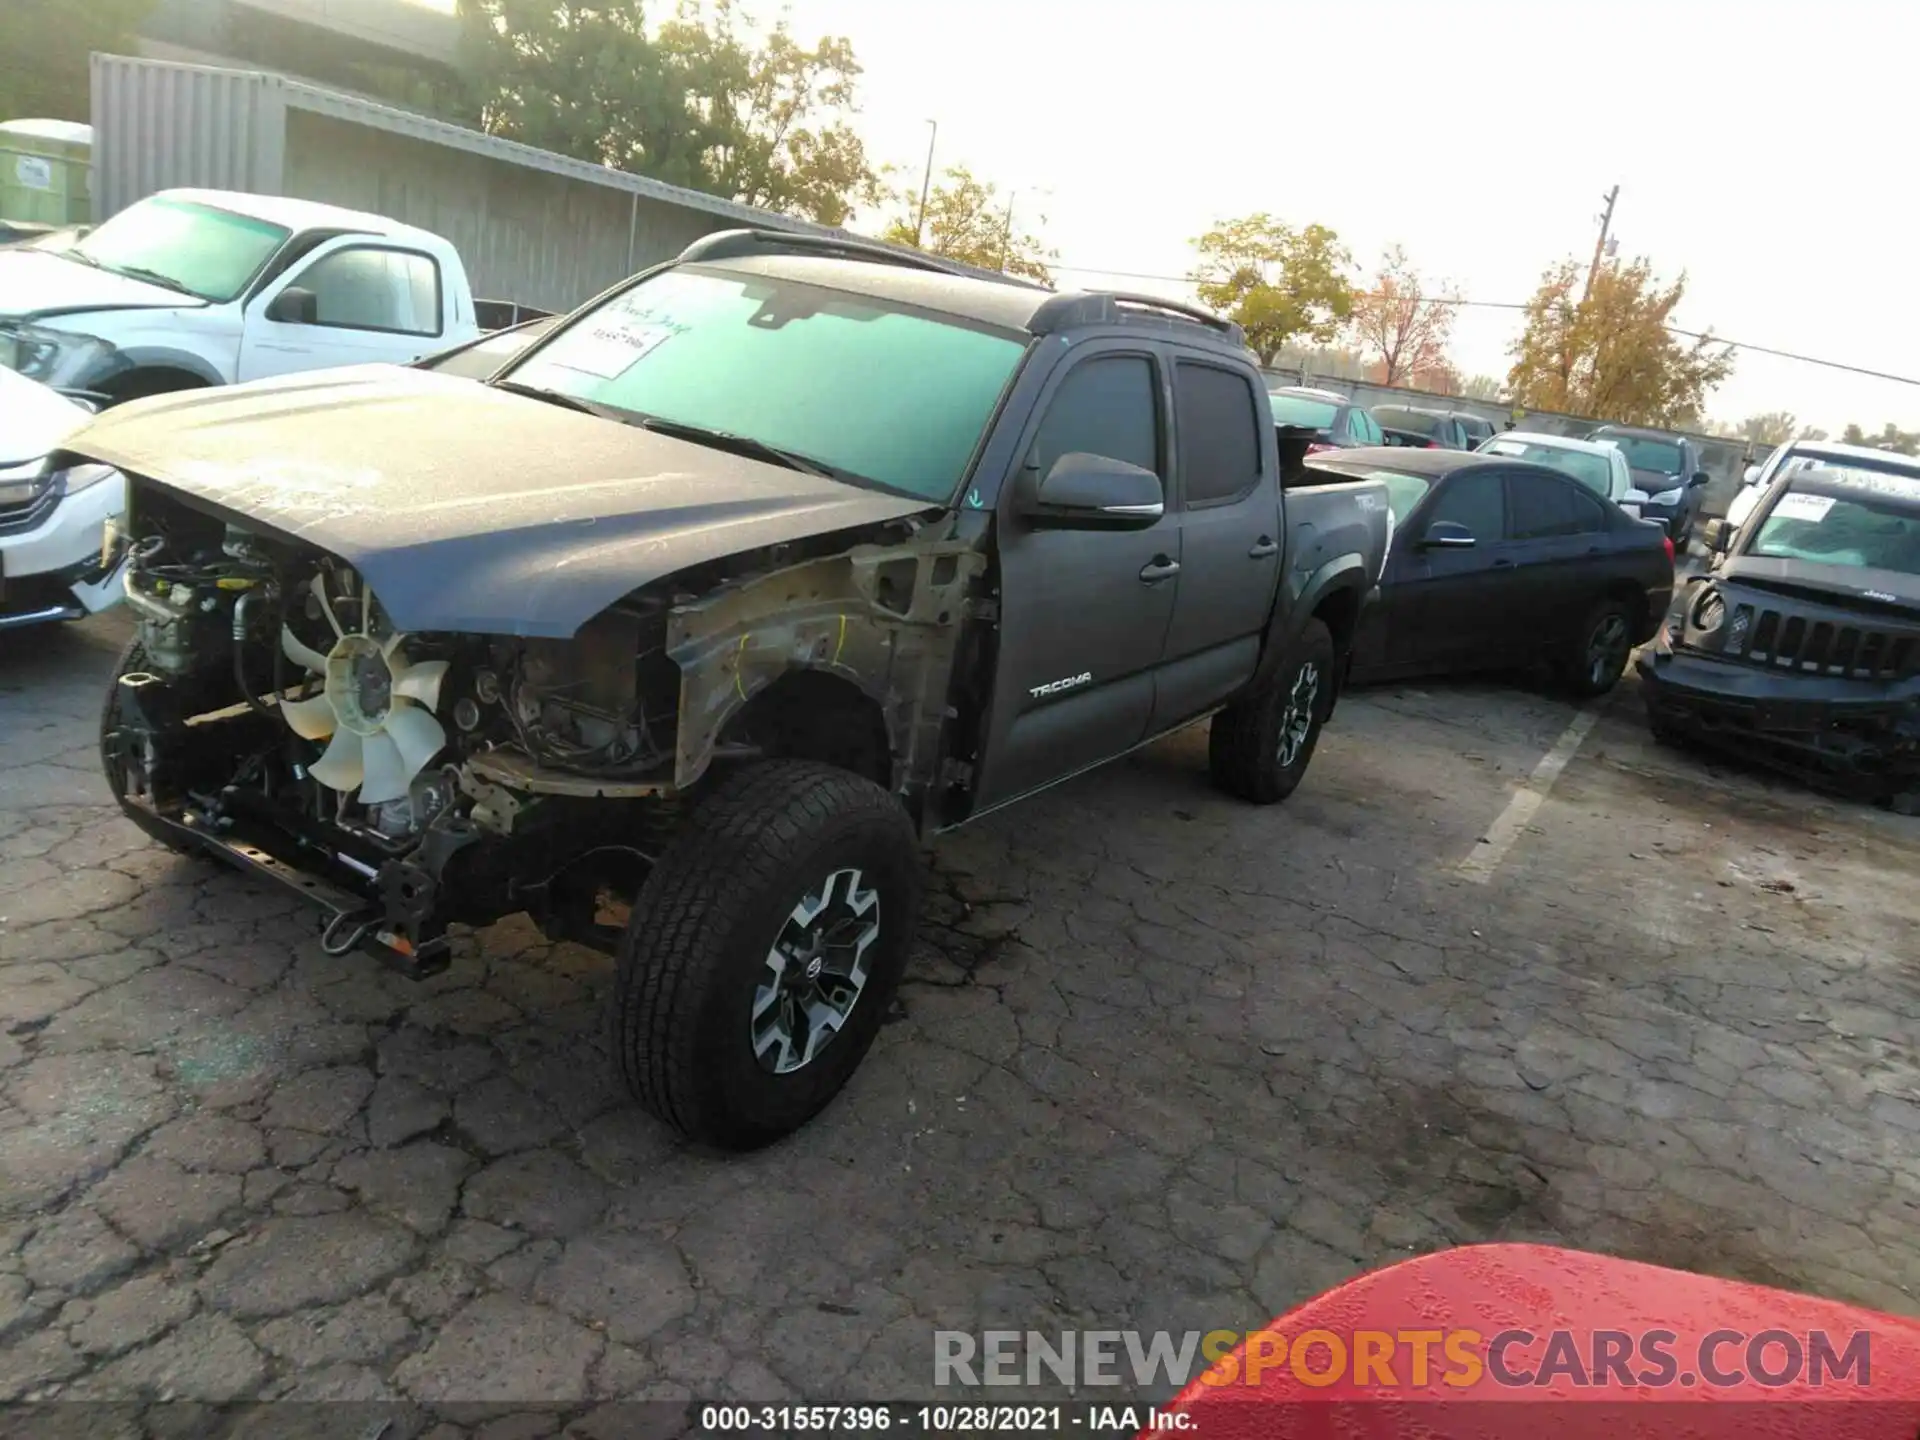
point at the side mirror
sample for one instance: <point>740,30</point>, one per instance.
<point>1447,535</point>
<point>1752,476</point>
<point>294,306</point>
<point>1091,492</point>
<point>1718,536</point>
<point>1700,477</point>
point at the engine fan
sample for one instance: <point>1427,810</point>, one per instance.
<point>375,707</point>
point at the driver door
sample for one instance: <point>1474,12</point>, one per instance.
<point>1084,611</point>
<point>1452,608</point>
<point>353,301</point>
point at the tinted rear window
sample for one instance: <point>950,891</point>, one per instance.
<point>1397,419</point>
<point>1663,457</point>
<point>1299,410</point>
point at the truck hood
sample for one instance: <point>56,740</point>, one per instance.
<point>34,283</point>
<point>465,508</point>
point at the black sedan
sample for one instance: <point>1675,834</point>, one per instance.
<point>1496,563</point>
<point>1325,419</point>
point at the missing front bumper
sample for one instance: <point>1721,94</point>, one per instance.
<point>1860,737</point>
<point>352,921</point>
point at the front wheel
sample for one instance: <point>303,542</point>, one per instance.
<point>1597,652</point>
<point>1259,746</point>
<point>763,952</point>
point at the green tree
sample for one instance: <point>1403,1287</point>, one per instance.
<point>1610,354</point>
<point>710,100</point>
<point>1275,281</point>
<point>44,46</point>
<point>967,221</point>
<point>1776,427</point>
<point>1891,437</point>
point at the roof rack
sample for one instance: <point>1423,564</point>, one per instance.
<point>740,244</point>
<point>1105,307</point>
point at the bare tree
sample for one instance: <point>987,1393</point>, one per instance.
<point>1402,321</point>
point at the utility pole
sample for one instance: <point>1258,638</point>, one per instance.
<point>926,187</point>
<point>1006,232</point>
<point>1600,245</point>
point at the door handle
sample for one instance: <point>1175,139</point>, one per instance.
<point>1263,549</point>
<point>1158,569</point>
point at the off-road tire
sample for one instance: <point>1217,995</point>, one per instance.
<point>132,659</point>
<point>697,943</point>
<point>1578,660</point>
<point>1245,741</point>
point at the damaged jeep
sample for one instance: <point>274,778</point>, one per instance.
<point>1802,649</point>
<point>677,632</point>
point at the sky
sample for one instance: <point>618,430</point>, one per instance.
<point>1760,147</point>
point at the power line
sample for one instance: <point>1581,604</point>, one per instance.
<point>1522,305</point>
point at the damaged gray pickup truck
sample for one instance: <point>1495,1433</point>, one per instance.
<point>678,630</point>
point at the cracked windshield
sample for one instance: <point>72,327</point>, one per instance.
<point>780,717</point>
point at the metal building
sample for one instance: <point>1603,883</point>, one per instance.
<point>532,226</point>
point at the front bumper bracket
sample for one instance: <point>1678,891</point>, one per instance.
<point>351,921</point>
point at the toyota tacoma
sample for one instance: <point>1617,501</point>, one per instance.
<point>677,631</point>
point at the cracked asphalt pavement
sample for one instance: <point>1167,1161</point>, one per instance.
<point>1163,1061</point>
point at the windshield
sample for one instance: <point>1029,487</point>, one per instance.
<point>1592,471</point>
<point>1301,411</point>
<point>858,386</point>
<point>1660,456</point>
<point>204,251</point>
<point>1877,527</point>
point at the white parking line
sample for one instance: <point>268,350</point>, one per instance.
<point>1494,845</point>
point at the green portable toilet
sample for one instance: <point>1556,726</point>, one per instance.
<point>46,169</point>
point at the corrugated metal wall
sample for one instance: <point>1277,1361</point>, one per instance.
<point>534,227</point>
<point>158,125</point>
<point>541,239</point>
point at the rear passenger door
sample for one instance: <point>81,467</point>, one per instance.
<point>1084,612</point>
<point>1231,543</point>
<point>1559,551</point>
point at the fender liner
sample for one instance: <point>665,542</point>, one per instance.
<point>1299,599</point>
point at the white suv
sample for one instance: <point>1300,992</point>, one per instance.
<point>54,563</point>
<point>1798,455</point>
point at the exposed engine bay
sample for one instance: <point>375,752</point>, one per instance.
<point>271,693</point>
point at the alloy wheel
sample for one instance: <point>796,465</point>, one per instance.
<point>1296,722</point>
<point>815,972</point>
<point>1607,649</point>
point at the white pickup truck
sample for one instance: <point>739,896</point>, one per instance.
<point>209,287</point>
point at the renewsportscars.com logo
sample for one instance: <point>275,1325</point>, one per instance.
<point>1411,1359</point>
